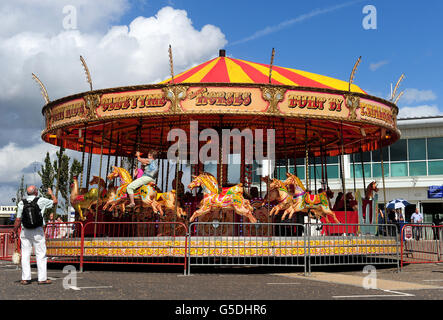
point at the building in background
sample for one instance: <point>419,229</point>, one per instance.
<point>413,168</point>
<point>7,214</point>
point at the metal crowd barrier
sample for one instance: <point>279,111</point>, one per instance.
<point>7,244</point>
<point>352,244</point>
<point>63,242</point>
<point>245,244</point>
<point>421,243</point>
<point>153,243</point>
<point>291,244</point>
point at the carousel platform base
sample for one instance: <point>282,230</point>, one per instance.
<point>222,246</point>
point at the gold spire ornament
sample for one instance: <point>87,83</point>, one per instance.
<point>393,97</point>
<point>88,75</point>
<point>171,64</point>
<point>351,77</point>
<point>42,88</point>
<point>270,66</point>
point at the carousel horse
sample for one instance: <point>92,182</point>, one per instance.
<point>146,193</point>
<point>305,202</point>
<point>277,192</point>
<point>167,201</point>
<point>370,189</point>
<point>227,198</point>
<point>82,199</point>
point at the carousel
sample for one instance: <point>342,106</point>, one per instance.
<point>312,118</point>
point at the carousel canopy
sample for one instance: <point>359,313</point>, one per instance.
<point>228,70</point>
<point>307,111</point>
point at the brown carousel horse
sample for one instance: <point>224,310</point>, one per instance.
<point>146,193</point>
<point>227,198</point>
<point>370,189</point>
<point>305,202</point>
<point>82,199</point>
<point>277,192</point>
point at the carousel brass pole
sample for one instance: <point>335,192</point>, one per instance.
<point>315,173</point>
<point>383,174</point>
<point>83,158</point>
<point>158,160</point>
<point>109,153</point>
<point>295,152</point>
<point>88,173</point>
<point>307,158</point>
<point>285,148</point>
<point>363,171</point>
<point>353,170</point>
<point>60,156</point>
<point>99,185</point>
<point>342,171</point>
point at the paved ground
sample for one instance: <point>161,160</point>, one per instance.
<point>424,282</point>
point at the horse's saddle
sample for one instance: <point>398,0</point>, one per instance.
<point>312,199</point>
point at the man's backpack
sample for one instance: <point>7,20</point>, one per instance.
<point>31,216</point>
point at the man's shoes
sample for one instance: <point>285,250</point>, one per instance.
<point>25,282</point>
<point>45,282</point>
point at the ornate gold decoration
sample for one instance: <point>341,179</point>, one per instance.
<point>92,101</point>
<point>274,95</point>
<point>42,88</point>
<point>351,77</point>
<point>88,75</point>
<point>171,64</point>
<point>271,64</point>
<point>175,94</point>
<point>352,103</point>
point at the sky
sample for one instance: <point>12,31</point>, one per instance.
<point>126,42</point>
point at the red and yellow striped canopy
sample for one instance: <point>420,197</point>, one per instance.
<point>229,70</point>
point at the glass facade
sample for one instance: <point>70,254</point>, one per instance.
<point>405,158</point>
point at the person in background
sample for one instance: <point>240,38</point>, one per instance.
<point>339,202</point>
<point>381,221</point>
<point>149,175</point>
<point>416,218</point>
<point>33,237</point>
<point>61,228</point>
<point>51,228</point>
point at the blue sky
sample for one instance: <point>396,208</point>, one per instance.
<point>125,43</point>
<point>408,38</point>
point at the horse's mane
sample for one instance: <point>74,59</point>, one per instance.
<point>297,181</point>
<point>124,174</point>
<point>209,181</point>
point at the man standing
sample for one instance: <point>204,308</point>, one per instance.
<point>149,175</point>
<point>416,218</point>
<point>33,235</point>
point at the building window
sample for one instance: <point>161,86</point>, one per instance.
<point>333,172</point>
<point>376,169</point>
<point>399,151</point>
<point>417,149</point>
<point>435,167</point>
<point>376,155</point>
<point>358,171</point>
<point>399,169</point>
<point>417,168</point>
<point>435,148</point>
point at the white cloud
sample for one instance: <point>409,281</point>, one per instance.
<point>14,159</point>
<point>419,111</point>
<point>124,55</point>
<point>374,66</point>
<point>413,95</point>
<point>7,192</point>
<point>47,16</point>
<point>32,40</point>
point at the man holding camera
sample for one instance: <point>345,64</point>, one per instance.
<point>30,213</point>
